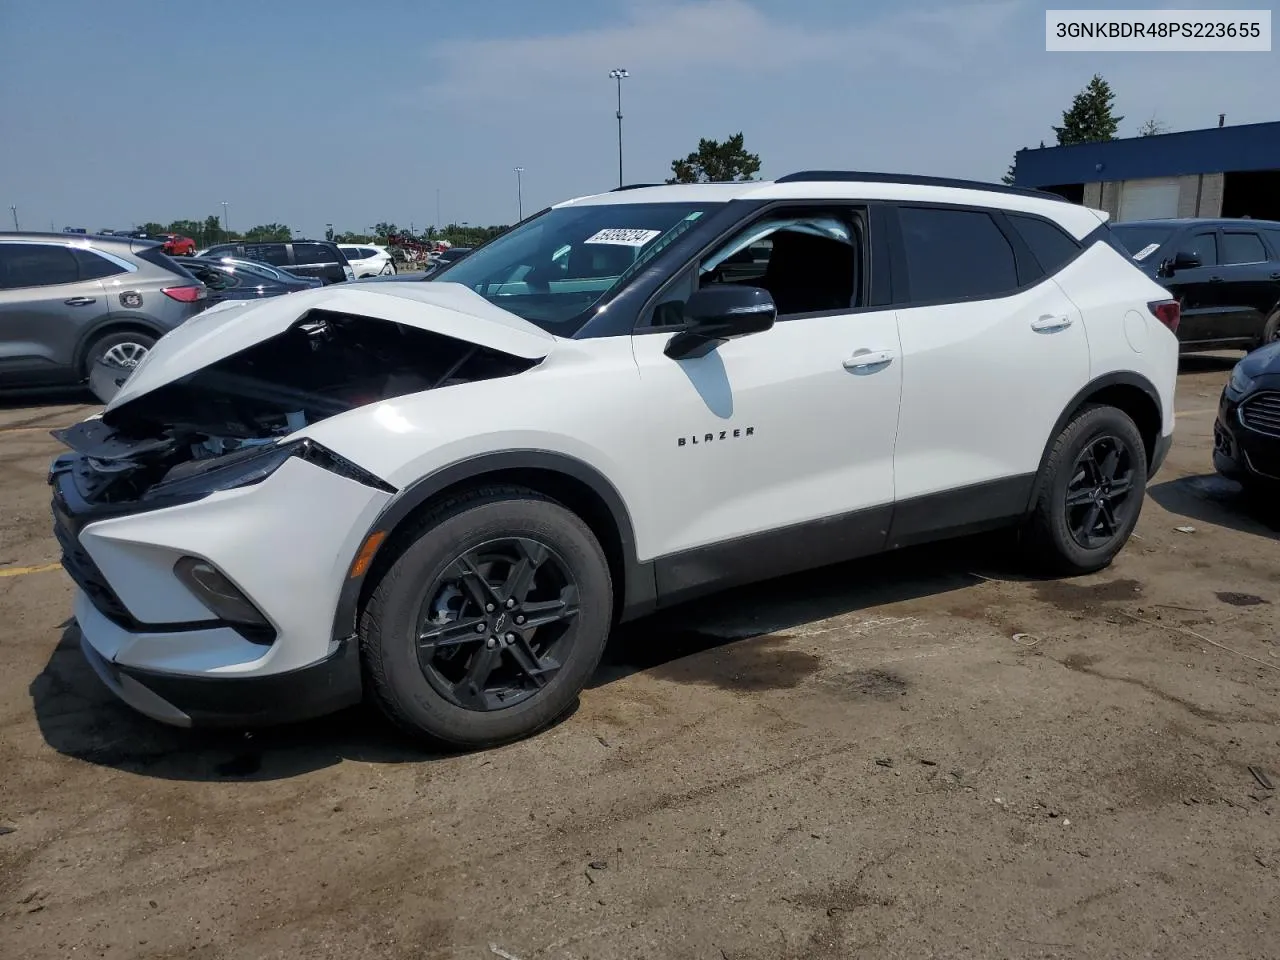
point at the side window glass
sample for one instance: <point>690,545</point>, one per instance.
<point>955,255</point>
<point>36,265</point>
<point>1242,248</point>
<point>1204,246</point>
<point>809,263</point>
<point>1049,243</point>
<point>312,253</point>
<point>276,253</point>
<point>94,267</point>
<point>1274,236</point>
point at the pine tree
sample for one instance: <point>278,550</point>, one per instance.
<point>1090,118</point>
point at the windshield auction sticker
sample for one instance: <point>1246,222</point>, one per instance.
<point>623,236</point>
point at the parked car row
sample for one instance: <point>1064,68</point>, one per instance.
<point>321,259</point>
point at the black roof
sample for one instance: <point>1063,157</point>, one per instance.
<point>911,179</point>
<point>1199,221</point>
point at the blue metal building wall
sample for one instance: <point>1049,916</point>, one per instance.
<point>1254,146</point>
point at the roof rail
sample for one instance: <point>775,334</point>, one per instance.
<point>853,176</point>
<point>636,186</point>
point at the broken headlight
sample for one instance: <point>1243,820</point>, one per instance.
<point>250,465</point>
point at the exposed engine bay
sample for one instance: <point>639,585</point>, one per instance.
<point>325,364</point>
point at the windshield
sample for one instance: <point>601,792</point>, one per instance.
<point>555,267</point>
<point>1141,239</point>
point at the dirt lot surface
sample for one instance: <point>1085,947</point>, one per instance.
<point>924,756</point>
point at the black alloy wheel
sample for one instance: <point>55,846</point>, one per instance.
<point>1100,492</point>
<point>494,628</point>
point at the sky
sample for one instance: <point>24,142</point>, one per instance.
<point>308,112</point>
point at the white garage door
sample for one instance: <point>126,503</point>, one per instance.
<point>1148,199</point>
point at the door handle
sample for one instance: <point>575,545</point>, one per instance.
<point>1049,323</point>
<point>1215,280</point>
<point>1276,275</point>
<point>864,358</point>
<point>80,301</point>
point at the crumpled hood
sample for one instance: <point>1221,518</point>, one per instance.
<point>448,309</point>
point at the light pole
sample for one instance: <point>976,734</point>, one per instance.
<point>14,210</point>
<point>519,195</point>
<point>226,234</point>
<point>619,75</point>
<point>439,223</point>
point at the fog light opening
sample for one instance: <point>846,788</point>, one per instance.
<point>212,588</point>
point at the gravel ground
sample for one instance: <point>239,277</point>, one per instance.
<point>921,756</point>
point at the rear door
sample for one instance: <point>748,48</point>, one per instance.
<point>49,295</point>
<point>992,352</point>
<point>1247,291</point>
<point>319,260</point>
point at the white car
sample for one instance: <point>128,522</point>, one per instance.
<point>368,259</point>
<point>448,493</point>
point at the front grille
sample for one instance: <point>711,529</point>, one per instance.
<point>1261,412</point>
<point>81,568</point>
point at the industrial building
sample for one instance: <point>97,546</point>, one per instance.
<point>1219,172</point>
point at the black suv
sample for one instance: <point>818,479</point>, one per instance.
<point>307,258</point>
<point>1225,273</point>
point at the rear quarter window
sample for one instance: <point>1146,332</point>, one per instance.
<point>313,253</point>
<point>273,253</point>
<point>1052,246</point>
<point>158,258</point>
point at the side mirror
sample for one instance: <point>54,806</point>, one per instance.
<point>1184,260</point>
<point>717,314</point>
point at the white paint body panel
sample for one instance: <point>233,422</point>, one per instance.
<point>822,436</point>
<point>449,309</point>
<point>982,389</point>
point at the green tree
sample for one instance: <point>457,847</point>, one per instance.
<point>186,228</point>
<point>716,162</point>
<point>213,232</point>
<point>151,228</point>
<point>328,233</point>
<point>1090,118</point>
<point>269,231</point>
<point>1010,175</point>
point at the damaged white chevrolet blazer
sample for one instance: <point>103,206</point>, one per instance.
<point>443,495</point>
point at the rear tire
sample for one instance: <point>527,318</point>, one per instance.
<point>125,347</point>
<point>426,638</point>
<point>1271,331</point>
<point>1091,489</point>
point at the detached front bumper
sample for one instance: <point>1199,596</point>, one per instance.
<point>286,543</point>
<point>221,700</point>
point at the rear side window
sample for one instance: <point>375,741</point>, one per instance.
<point>1050,244</point>
<point>274,253</point>
<point>1204,246</point>
<point>314,253</point>
<point>955,255</point>
<point>158,258</point>
<point>1242,248</point>
<point>367,252</point>
<point>36,265</point>
<point>94,267</point>
<point>1274,237</point>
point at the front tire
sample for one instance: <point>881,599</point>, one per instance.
<point>124,349</point>
<point>489,621</point>
<point>1271,331</point>
<point>1091,489</point>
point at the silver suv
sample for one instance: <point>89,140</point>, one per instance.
<point>70,303</point>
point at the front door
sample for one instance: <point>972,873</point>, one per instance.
<point>1198,289</point>
<point>773,452</point>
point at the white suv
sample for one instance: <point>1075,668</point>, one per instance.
<point>368,260</point>
<point>447,493</point>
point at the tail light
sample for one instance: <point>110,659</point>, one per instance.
<point>1168,312</point>
<point>186,294</point>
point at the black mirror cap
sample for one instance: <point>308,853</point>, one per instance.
<point>1185,260</point>
<point>720,313</point>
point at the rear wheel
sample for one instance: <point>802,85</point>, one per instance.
<point>1271,331</point>
<point>1091,489</point>
<point>124,350</point>
<point>490,621</point>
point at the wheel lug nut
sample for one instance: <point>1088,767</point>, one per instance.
<point>510,603</point>
<point>510,638</point>
<point>479,628</point>
<point>491,642</point>
<point>519,618</point>
<point>488,608</point>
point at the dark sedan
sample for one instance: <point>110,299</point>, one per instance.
<point>1246,436</point>
<point>228,281</point>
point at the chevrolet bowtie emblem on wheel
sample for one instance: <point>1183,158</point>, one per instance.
<point>713,437</point>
